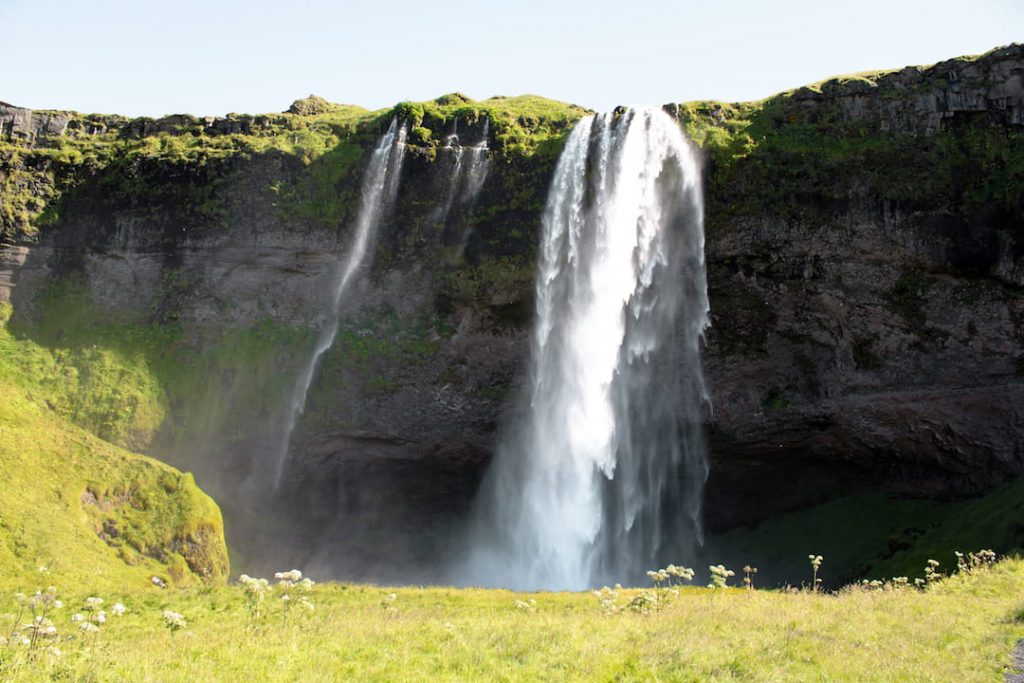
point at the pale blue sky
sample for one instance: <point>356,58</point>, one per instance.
<point>140,58</point>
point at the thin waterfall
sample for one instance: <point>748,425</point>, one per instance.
<point>468,171</point>
<point>380,186</point>
<point>601,476</point>
<point>477,167</point>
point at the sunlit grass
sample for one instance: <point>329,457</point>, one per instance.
<point>960,629</point>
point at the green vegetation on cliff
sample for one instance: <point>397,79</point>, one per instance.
<point>521,126</point>
<point>89,512</point>
<point>182,159</point>
<point>884,135</point>
<point>131,380</point>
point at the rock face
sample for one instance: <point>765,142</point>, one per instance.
<point>17,123</point>
<point>924,100</point>
<point>865,258</point>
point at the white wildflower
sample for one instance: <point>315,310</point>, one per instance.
<point>292,576</point>
<point>118,609</point>
<point>174,621</point>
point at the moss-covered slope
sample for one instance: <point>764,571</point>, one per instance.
<point>78,509</point>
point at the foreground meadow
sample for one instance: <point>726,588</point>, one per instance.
<point>959,629</point>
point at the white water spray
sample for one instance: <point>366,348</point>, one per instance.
<point>380,186</point>
<point>601,479</point>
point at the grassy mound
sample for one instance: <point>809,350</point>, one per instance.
<point>959,629</point>
<point>87,511</point>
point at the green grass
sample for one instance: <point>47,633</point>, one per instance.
<point>75,384</point>
<point>961,629</point>
<point>876,536</point>
<point>522,126</point>
<point>93,514</point>
<point>134,381</point>
<point>76,503</point>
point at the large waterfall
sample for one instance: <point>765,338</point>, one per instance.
<point>600,478</point>
<point>380,185</point>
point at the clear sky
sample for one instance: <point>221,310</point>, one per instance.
<point>211,58</point>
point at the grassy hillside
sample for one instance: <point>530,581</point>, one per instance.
<point>876,536</point>
<point>960,629</point>
<point>89,512</point>
<point>127,378</point>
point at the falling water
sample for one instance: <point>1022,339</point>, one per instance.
<point>601,477</point>
<point>476,169</point>
<point>380,185</point>
<point>469,170</point>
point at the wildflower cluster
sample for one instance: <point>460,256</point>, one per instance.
<point>39,631</point>
<point>966,564</point>
<point>293,587</point>
<point>896,583</point>
<point>974,561</point>
<point>255,592</point>
<point>666,582</point>
<point>719,576</point>
<point>607,599</point>
<point>387,603</point>
<point>931,572</point>
<point>526,606</point>
<point>94,616</point>
<point>174,621</point>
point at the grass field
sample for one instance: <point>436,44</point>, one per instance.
<point>959,629</point>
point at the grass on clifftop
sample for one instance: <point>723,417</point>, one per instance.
<point>959,629</point>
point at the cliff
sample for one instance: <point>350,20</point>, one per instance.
<point>864,249</point>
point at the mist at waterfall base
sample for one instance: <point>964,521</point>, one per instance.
<point>599,477</point>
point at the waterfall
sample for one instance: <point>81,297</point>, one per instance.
<point>468,172</point>
<point>476,169</point>
<point>600,478</point>
<point>380,186</point>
